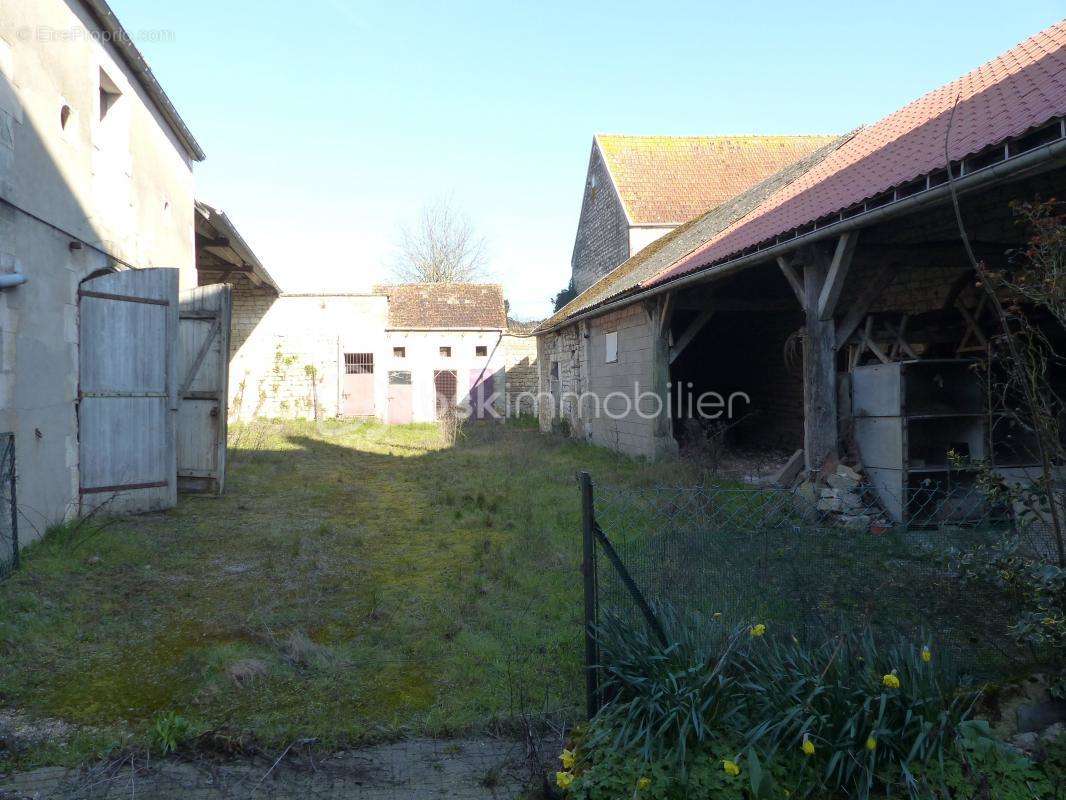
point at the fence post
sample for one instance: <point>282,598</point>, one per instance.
<point>588,571</point>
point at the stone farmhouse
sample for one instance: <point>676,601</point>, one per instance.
<point>835,295</point>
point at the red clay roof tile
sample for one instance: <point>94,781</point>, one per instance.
<point>1015,92</point>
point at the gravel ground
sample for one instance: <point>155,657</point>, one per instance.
<point>415,769</point>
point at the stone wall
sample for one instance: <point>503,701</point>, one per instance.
<point>611,404</point>
<point>520,365</point>
<point>602,241</point>
<point>285,352</point>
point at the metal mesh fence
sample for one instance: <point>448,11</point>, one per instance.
<point>811,562</point>
<point>9,543</point>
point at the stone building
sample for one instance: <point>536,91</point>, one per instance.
<point>95,179</point>
<point>638,188</point>
<point>399,353</point>
<point>844,263</point>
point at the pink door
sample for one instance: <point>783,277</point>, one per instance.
<point>401,402</point>
<point>357,387</point>
<point>481,394</point>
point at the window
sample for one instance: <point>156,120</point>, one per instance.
<point>399,352</point>
<point>358,363</point>
<point>611,347</point>
<point>64,116</point>
<point>400,378</point>
<point>481,350</point>
<point>445,352</point>
<point>109,94</point>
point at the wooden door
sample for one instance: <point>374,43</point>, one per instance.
<point>357,394</point>
<point>203,370</point>
<point>445,385</point>
<point>401,398</point>
<point>481,390</point>
<point>127,392</point>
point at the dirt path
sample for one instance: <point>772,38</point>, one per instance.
<point>417,769</point>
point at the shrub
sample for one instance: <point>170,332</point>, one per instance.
<point>1033,592</point>
<point>665,698</point>
<point>861,715</point>
<point>613,775</point>
<point>170,731</point>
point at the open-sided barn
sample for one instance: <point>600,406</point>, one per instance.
<point>843,268</point>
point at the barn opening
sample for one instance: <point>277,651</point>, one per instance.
<point>736,366</point>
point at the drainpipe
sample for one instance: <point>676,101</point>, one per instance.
<point>11,280</point>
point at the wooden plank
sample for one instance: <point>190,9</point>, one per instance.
<point>881,280</point>
<point>693,328</point>
<point>843,255</point>
<point>204,359</point>
<point>793,279</point>
<point>126,428</point>
<point>793,467</point>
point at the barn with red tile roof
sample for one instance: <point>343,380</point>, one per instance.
<point>772,300</point>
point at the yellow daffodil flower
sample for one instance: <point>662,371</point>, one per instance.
<point>891,681</point>
<point>730,768</point>
<point>568,759</point>
<point>643,783</point>
<point>926,655</point>
<point>758,630</point>
<point>808,746</point>
<point>871,744</point>
<point>564,779</point>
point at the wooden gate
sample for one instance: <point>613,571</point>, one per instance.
<point>203,361</point>
<point>127,392</point>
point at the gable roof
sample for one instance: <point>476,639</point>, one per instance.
<point>681,241</point>
<point>445,306</point>
<point>1022,89</point>
<point>668,180</point>
<point>894,160</point>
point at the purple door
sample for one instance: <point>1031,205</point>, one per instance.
<point>481,394</point>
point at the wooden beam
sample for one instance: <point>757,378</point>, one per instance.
<point>793,279</point>
<point>881,280</point>
<point>693,328</point>
<point>838,272</point>
<point>819,374</point>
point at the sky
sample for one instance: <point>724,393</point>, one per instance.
<point>328,124</point>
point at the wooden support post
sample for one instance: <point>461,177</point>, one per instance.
<point>665,445</point>
<point>838,271</point>
<point>819,369</point>
<point>793,279</point>
<point>693,328</point>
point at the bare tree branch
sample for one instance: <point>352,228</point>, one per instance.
<point>440,247</point>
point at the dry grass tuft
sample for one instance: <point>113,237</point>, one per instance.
<point>247,671</point>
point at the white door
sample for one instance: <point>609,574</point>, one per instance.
<point>203,371</point>
<point>127,392</point>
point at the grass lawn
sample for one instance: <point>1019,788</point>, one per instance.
<point>355,582</point>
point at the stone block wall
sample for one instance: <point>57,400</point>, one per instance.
<point>522,378</point>
<point>611,404</point>
<point>602,241</point>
